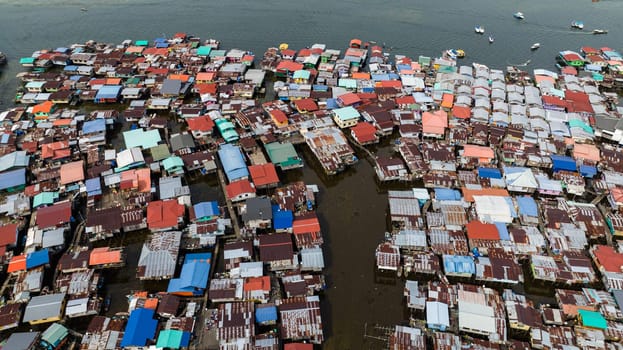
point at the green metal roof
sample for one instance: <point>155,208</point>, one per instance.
<point>592,319</point>
<point>141,43</point>
<point>141,138</point>
<point>160,152</point>
<point>54,334</point>
<point>346,113</point>
<point>283,154</point>
<point>204,51</point>
<point>218,53</point>
<point>24,60</point>
<point>44,198</point>
<point>170,338</point>
<point>347,83</point>
<point>301,74</point>
<point>172,163</point>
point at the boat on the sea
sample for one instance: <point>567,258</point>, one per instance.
<point>535,46</point>
<point>577,25</point>
<point>491,39</point>
<point>600,31</point>
<point>519,15</point>
<point>479,29</point>
<point>455,53</point>
<point>2,58</point>
<point>84,9</point>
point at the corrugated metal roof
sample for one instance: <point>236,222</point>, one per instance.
<point>44,306</point>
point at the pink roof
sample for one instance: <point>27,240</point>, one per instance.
<point>475,151</point>
<point>586,151</point>
<point>72,172</point>
<point>264,174</point>
<point>435,122</point>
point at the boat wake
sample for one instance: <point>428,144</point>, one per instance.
<point>526,63</point>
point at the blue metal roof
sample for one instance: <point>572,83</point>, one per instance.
<point>459,264</point>
<point>282,219</point>
<point>12,178</point>
<point>108,92</point>
<point>446,194</point>
<point>97,125</point>
<point>265,314</point>
<point>511,206</point>
<point>502,231</point>
<point>489,173</point>
<point>94,186</point>
<point>70,68</point>
<point>588,170</point>
<point>563,163</point>
<point>194,276</point>
<point>206,209</point>
<point>38,258</point>
<point>141,327</point>
<point>233,162</point>
<point>527,206</point>
<point>332,103</point>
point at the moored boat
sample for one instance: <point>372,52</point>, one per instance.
<point>479,29</point>
<point>577,25</point>
<point>519,15</point>
<point>491,39</point>
<point>2,58</point>
<point>535,46</point>
<point>455,53</point>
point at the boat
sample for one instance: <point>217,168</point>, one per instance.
<point>600,31</point>
<point>577,25</point>
<point>491,39</point>
<point>455,53</point>
<point>2,58</point>
<point>535,46</point>
<point>479,29</point>
<point>518,15</point>
<point>84,9</point>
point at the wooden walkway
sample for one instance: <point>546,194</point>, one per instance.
<point>230,205</point>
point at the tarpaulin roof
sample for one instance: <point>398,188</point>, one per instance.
<point>489,173</point>
<point>38,258</point>
<point>527,206</point>
<point>141,327</point>
<point>282,219</point>
<point>265,314</point>
<point>563,163</point>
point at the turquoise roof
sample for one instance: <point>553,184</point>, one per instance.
<point>172,339</point>
<point>301,74</point>
<point>25,60</point>
<point>283,154</point>
<point>580,124</point>
<point>218,53</point>
<point>347,83</point>
<point>172,163</point>
<point>593,319</point>
<point>346,113</point>
<point>55,334</point>
<point>141,138</point>
<point>141,43</point>
<point>204,51</point>
<point>227,129</point>
<point>44,198</point>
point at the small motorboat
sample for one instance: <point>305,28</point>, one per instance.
<point>491,39</point>
<point>455,53</point>
<point>479,29</point>
<point>535,46</point>
<point>518,15</point>
<point>577,25</point>
<point>2,58</point>
<point>84,9</point>
<point>600,31</point>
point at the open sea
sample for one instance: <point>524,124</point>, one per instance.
<point>352,207</point>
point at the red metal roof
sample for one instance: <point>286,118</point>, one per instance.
<point>264,174</point>
<point>349,99</point>
<point>364,132</point>
<point>461,112</point>
<point>239,187</point>
<point>59,213</point>
<point>8,234</point>
<point>306,105</point>
<point>481,230</point>
<point>309,225</point>
<point>163,214</point>
<point>200,123</point>
<point>608,258</point>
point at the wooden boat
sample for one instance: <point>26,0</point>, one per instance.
<point>535,46</point>
<point>479,30</point>
<point>519,15</point>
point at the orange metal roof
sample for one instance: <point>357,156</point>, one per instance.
<point>608,258</point>
<point>103,256</point>
<point>151,303</point>
<point>586,151</point>
<point>310,225</point>
<point>45,107</point>
<point>256,283</point>
<point>476,151</point>
<point>480,230</point>
<point>264,174</point>
<point>469,194</point>
<point>17,263</point>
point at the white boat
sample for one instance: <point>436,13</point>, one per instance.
<point>491,39</point>
<point>479,29</point>
<point>535,46</point>
<point>600,31</point>
<point>577,25</point>
<point>518,15</point>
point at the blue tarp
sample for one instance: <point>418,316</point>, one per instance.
<point>233,162</point>
<point>458,264</point>
<point>94,186</point>
<point>266,314</point>
<point>206,209</point>
<point>13,178</point>
<point>282,219</point>
<point>70,68</point>
<point>588,171</point>
<point>194,276</point>
<point>489,173</point>
<point>38,258</point>
<point>502,231</point>
<point>141,327</point>
<point>332,103</point>
<point>446,194</point>
<point>527,206</point>
<point>511,206</point>
<point>563,163</point>
<point>96,125</point>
